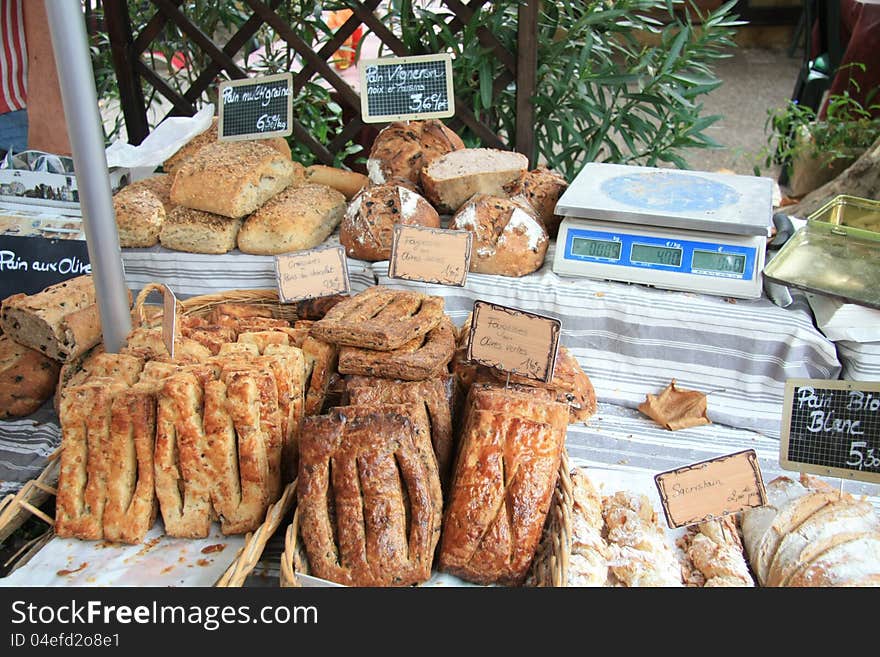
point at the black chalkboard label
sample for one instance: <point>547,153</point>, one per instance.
<point>31,264</point>
<point>399,88</point>
<point>256,108</point>
<point>832,428</point>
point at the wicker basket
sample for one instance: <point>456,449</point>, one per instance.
<point>549,568</point>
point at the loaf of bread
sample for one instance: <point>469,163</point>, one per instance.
<point>714,554</point>
<point>451,179</point>
<point>61,322</point>
<point>195,231</point>
<point>210,136</point>
<point>27,378</point>
<point>233,178</point>
<point>403,148</point>
<point>505,473</point>
<point>96,363</point>
<point>347,182</point>
<point>640,553</point>
<point>810,534</point>
<point>299,218</point>
<point>541,188</point>
<point>369,496</point>
<point>508,239</point>
<point>158,184</point>
<point>139,217</point>
<point>367,229</point>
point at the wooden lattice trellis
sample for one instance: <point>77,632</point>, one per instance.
<point>127,50</point>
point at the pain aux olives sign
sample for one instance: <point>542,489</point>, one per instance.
<point>400,88</point>
<point>256,108</point>
<point>30,264</point>
<point>832,427</point>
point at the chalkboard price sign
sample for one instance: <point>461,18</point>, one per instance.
<point>256,108</point>
<point>398,88</point>
<point>832,427</point>
<point>31,264</point>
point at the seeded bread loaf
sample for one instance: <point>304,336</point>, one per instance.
<point>27,378</point>
<point>298,218</point>
<point>159,185</point>
<point>367,229</point>
<point>403,148</point>
<point>61,322</point>
<point>139,217</point>
<point>451,179</point>
<point>195,231</point>
<point>508,238</point>
<point>233,178</point>
<point>172,164</point>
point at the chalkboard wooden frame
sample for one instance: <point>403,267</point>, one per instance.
<point>825,399</point>
<point>368,67</point>
<point>238,86</point>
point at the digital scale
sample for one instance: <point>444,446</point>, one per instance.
<point>680,230</point>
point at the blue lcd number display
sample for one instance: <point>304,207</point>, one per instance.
<point>692,257</point>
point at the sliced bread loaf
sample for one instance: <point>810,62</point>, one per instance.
<point>451,179</point>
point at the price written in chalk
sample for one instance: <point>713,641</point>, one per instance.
<point>514,341</point>
<point>430,255</point>
<point>711,489</point>
<point>312,274</point>
<point>832,427</point>
<point>256,107</point>
<point>399,88</point>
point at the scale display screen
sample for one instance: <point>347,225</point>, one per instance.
<point>652,254</point>
<point>724,263</point>
<point>607,249</point>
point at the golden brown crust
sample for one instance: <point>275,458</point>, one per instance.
<point>541,188</point>
<point>347,182</point>
<point>159,184</point>
<point>27,378</point>
<point>380,318</point>
<point>357,525</point>
<point>139,217</point>
<point>321,361</point>
<point>367,229</point>
<point>419,359</point>
<point>195,231</point>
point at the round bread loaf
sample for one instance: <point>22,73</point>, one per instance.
<point>451,179</point>
<point>508,238</point>
<point>299,218</point>
<point>140,215</point>
<point>368,226</point>
<point>542,188</point>
<point>403,148</point>
<point>27,378</point>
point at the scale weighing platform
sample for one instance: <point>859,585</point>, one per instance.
<point>680,230</point>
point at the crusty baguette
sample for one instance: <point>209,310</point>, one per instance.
<point>233,178</point>
<point>62,321</point>
<point>347,182</point>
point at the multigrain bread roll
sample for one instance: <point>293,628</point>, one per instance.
<point>451,179</point>
<point>299,218</point>
<point>347,182</point>
<point>27,378</point>
<point>210,136</point>
<point>158,184</point>
<point>367,229</point>
<point>403,148</point>
<point>139,217</point>
<point>195,231</point>
<point>61,322</point>
<point>541,188</point>
<point>508,239</point>
<point>233,178</point>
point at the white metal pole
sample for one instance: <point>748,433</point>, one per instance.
<point>71,47</point>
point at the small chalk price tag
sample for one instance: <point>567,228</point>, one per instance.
<point>255,108</point>
<point>711,489</point>
<point>399,88</point>
<point>831,427</point>
<point>169,319</point>
<point>430,255</point>
<point>514,341</point>
<point>311,274</point>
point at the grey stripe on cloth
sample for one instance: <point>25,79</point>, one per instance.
<point>193,274</point>
<point>25,445</point>
<point>633,339</point>
<point>861,360</point>
<point>624,438</point>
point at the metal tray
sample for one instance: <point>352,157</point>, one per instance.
<point>850,212</point>
<point>827,258</point>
